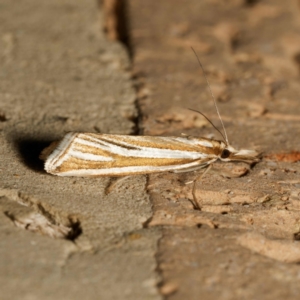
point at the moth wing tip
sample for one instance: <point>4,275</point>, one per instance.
<point>48,150</point>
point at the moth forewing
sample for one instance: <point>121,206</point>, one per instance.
<point>90,154</point>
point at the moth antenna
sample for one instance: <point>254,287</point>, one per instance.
<point>202,114</point>
<point>214,99</point>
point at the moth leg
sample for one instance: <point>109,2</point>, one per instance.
<point>191,169</point>
<point>200,164</point>
<point>114,181</point>
<point>194,201</point>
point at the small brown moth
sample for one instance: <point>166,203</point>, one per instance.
<point>92,154</point>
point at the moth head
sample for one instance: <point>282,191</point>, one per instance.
<point>228,153</point>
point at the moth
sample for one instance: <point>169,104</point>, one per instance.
<point>92,154</point>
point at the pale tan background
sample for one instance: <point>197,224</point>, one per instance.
<point>127,67</point>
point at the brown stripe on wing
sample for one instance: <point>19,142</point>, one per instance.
<point>73,163</point>
<point>115,143</point>
<point>79,147</point>
<point>168,143</point>
<point>123,141</point>
<point>89,138</point>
